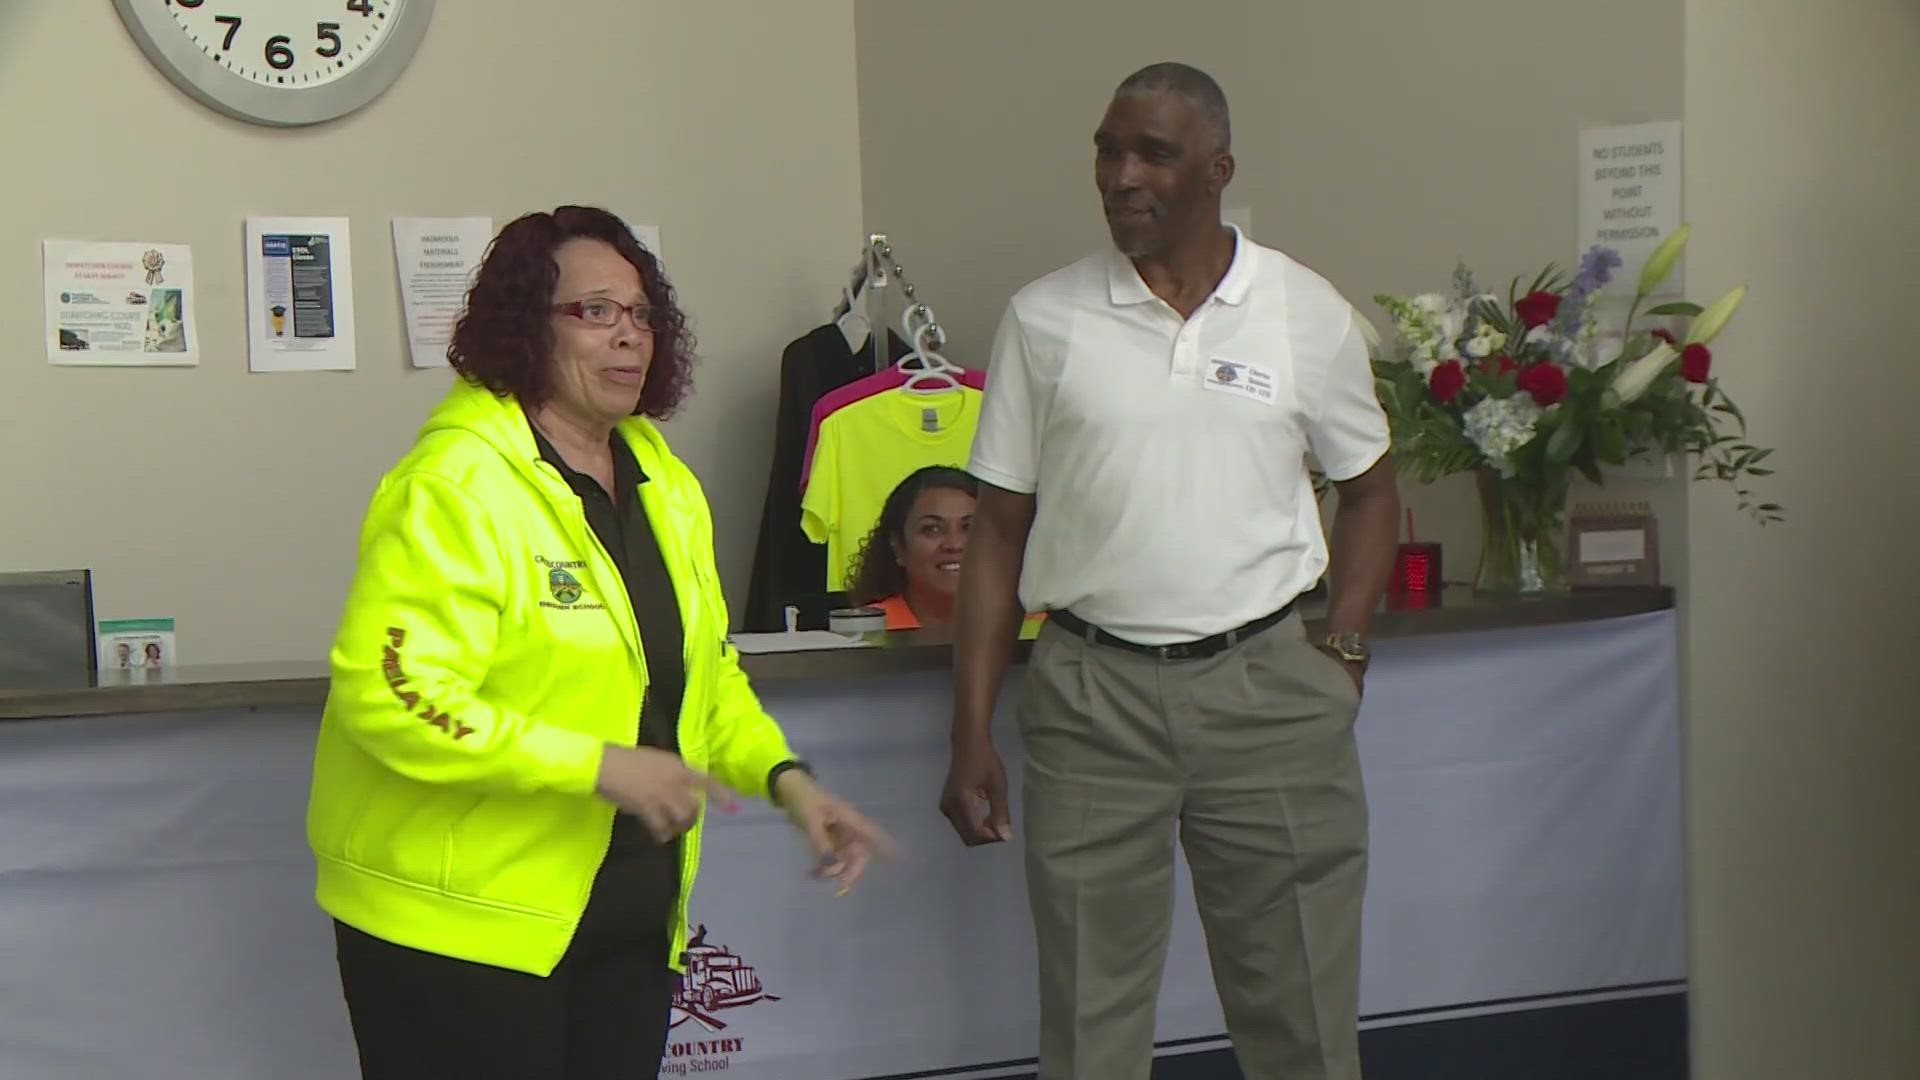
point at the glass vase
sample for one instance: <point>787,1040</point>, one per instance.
<point>1523,528</point>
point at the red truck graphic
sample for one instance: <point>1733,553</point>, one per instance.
<point>716,979</point>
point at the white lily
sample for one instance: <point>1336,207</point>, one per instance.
<point>1634,379</point>
<point>1714,319</point>
<point>1660,263</point>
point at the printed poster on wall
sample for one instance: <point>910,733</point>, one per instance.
<point>1630,195</point>
<point>437,258</point>
<point>119,304</point>
<point>299,294</point>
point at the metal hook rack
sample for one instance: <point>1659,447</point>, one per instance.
<point>882,272</point>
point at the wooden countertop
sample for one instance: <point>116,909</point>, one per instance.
<point>42,696</point>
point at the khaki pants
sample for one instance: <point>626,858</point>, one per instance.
<point>1251,754</point>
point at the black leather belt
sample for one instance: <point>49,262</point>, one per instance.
<point>1184,650</point>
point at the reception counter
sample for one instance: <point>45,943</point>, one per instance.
<point>41,695</point>
<point>1522,763</point>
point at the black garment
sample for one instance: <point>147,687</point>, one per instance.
<point>623,529</point>
<point>601,1015</point>
<point>788,568</point>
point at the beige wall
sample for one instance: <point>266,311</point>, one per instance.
<point>1805,742</point>
<point>230,500</point>
<point>1376,142</point>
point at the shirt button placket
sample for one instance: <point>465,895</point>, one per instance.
<point>1186,354</point>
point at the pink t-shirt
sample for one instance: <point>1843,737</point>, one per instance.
<point>859,390</point>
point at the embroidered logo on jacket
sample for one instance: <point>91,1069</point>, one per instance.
<point>564,586</point>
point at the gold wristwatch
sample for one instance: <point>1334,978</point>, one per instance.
<point>1348,646</point>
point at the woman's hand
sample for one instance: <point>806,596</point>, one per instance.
<point>658,788</point>
<point>843,839</point>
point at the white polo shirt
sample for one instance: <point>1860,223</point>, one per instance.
<point>1168,458</point>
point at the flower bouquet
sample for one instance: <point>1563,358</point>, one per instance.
<point>1512,390</point>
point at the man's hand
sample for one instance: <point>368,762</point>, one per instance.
<point>1365,537</point>
<point>974,776</point>
<point>989,617</point>
<point>1355,670</point>
<point>658,788</point>
<point>841,837</point>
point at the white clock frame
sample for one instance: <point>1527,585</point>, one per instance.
<point>210,83</point>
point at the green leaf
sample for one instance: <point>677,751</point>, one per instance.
<point>1678,307</point>
<point>1610,444</point>
<point>1565,441</point>
<point>1759,472</point>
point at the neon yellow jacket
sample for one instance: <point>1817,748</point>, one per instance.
<point>487,654</point>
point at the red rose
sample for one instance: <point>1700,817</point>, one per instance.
<point>1447,380</point>
<point>1695,359</point>
<point>1496,365</point>
<point>1537,309</point>
<point>1663,334</point>
<point>1547,383</point>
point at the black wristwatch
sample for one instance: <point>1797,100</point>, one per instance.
<point>774,774</point>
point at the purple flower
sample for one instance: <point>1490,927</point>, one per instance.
<point>1596,269</point>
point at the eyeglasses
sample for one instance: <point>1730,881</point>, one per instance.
<point>600,311</point>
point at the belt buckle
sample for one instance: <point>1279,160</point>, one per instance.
<point>1179,651</point>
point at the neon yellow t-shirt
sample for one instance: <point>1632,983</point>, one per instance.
<point>865,449</point>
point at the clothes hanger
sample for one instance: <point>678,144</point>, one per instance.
<point>934,373</point>
<point>856,283</point>
<point>925,336</point>
<point>851,321</point>
<point>918,320</point>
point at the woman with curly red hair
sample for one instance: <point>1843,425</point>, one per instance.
<point>533,699</point>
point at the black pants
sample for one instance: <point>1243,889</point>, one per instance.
<point>601,1015</point>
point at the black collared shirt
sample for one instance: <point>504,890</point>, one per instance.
<point>622,527</point>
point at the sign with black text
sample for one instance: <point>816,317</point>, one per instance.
<point>1630,194</point>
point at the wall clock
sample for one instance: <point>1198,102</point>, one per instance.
<point>280,62</point>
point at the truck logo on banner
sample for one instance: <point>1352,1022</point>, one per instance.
<point>717,979</point>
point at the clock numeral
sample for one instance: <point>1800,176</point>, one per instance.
<point>330,34</point>
<point>364,7</point>
<point>232,23</point>
<point>280,52</point>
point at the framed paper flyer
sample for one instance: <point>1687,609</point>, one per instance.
<point>119,304</point>
<point>136,643</point>
<point>299,294</point>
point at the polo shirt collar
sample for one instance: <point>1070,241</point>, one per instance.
<point>1125,286</point>
<point>627,473</point>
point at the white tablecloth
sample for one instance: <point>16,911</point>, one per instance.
<point>156,917</point>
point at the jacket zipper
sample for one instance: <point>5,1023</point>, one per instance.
<point>576,517</point>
